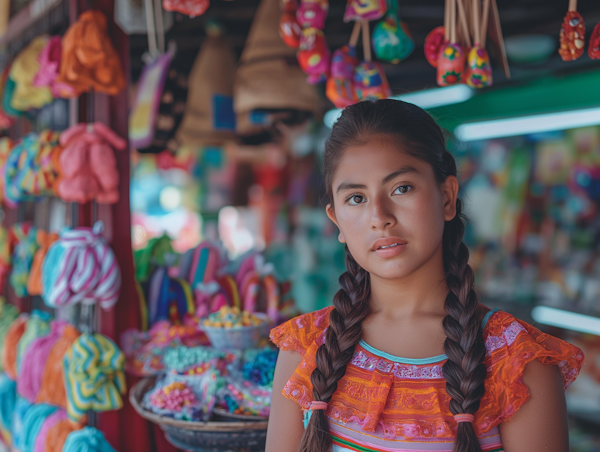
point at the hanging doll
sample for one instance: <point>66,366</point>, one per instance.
<point>289,28</point>
<point>451,62</point>
<point>572,34</point>
<point>391,39</point>
<point>478,73</point>
<point>340,86</point>
<point>370,81</point>
<point>313,53</point>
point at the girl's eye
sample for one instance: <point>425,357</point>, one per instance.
<point>355,200</point>
<point>402,189</point>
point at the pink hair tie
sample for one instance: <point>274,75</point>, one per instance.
<point>318,406</point>
<point>464,417</point>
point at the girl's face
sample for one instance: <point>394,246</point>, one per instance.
<point>389,208</point>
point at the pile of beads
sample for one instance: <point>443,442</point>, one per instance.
<point>179,359</point>
<point>232,317</point>
<point>173,397</point>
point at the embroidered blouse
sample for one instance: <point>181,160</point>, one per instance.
<point>388,403</point>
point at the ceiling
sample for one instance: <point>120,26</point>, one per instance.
<point>517,17</point>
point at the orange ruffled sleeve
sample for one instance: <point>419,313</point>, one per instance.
<point>301,332</point>
<point>511,344</point>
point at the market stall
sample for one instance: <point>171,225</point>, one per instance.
<point>162,196</point>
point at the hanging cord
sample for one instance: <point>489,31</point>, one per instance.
<point>160,25</point>
<point>150,27</point>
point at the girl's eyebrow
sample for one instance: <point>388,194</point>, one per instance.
<point>404,170</point>
<point>386,179</point>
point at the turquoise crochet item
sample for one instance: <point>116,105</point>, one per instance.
<point>32,423</point>
<point>87,439</point>
<point>18,417</point>
<point>8,400</point>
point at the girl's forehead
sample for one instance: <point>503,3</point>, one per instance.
<point>377,156</point>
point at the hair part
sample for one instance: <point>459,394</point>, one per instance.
<point>419,135</point>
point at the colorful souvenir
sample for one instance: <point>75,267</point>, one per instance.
<point>289,28</point>
<point>26,65</point>
<point>594,45</point>
<point>370,81</point>
<point>312,13</point>
<point>452,59</point>
<point>478,73</point>
<point>94,376</point>
<point>391,38</point>
<point>314,55</point>
<point>340,86</point>
<point>87,164</point>
<point>572,34</point>
<point>190,8</point>
<point>89,60</point>
<point>49,61</point>
<point>434,45</point>
<point>364,10</point>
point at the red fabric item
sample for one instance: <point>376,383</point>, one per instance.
<point>594,45</point>
<point>189,7</point>
<point>572,36</point>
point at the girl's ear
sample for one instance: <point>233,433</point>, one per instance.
<point>331,214</point>
<point>450,194</point>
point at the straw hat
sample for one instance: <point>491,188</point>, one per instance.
<point>209,119</point>
<point>268,76</point>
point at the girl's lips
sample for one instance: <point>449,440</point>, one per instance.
<point>391,251</point>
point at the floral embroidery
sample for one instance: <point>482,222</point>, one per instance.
<point>509,335</point>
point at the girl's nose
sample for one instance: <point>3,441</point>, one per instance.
<point>382,216</point>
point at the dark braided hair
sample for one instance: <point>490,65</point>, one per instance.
<point>464,372</point>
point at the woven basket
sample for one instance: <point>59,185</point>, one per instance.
<point>268,75</point>
<point>209,119</point>
<point>202,436</point>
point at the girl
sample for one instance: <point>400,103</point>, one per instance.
<point>407,359</point>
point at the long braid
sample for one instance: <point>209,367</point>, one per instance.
<point>464,371</point>
<point>351,304</point>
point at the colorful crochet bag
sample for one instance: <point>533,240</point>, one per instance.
<point>23,71</point>
<point>89,60</point>
<point>8,314</point>
<point>88,439</point>
<point>52,390</point>
<point>44,240</point>
<point>22,260</point>
<point>81,267</point>
<point>49,61</point>
<point>94,376</point>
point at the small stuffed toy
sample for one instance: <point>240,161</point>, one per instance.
<point>312,13</point>
<point>364,10</point>
<point>289,28</point>
<point>391,39</point>
<point>314,55</point>
<point>87,164</point>
<point>340,86</point>
<point>572,34</point>
<point>89,60</point>
<point>370,81</point>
